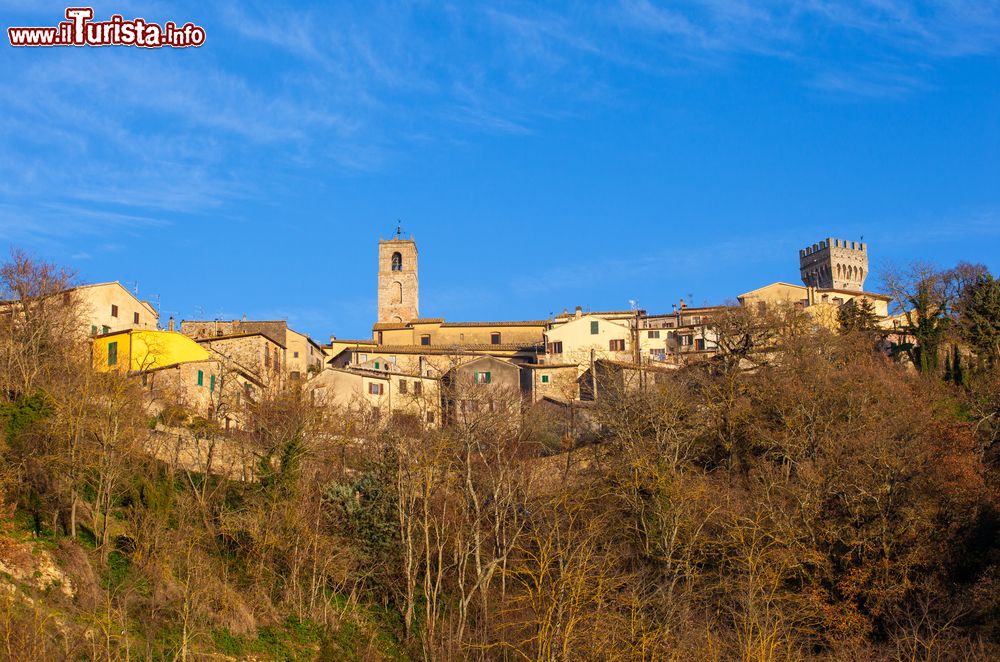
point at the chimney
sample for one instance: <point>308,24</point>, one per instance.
<point>579,311</point>
<point>683,305</point>
<point>170,323</point>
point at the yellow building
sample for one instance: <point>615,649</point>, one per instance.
<point>140,350</point>
<point>178,372</point>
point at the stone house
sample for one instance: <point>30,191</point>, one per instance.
<point>378,396</point>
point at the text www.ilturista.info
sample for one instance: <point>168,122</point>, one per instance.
<point>80,30</point>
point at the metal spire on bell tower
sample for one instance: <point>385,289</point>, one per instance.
<point>399,228</point>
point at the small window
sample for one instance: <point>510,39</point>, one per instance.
<point>425,340</point>
<point>93,329</point>
<point>377,364</point>
<point>105,329</point>
<point>375,389</point>
<point>295,355</point>
<point>294,374</point>
<point>66,297</point>
<point>554,347</point>
<point>135,318</point>
<point>482,377</point>
<point>112,353</point>
<point>402,386</point>
<point>545,379</point>
<point>211,384</point>
<point>397,262</point>
<point>201,378</point>
<point>699,344</point>
<point>654,334</point>
<point>494,338</point>
<point>145,379</point>
<point>617,345</point>
<point>418,388</point>
<point>430,417</point>
<point>362,358</point>
<point>114,310</point>
<point>686,340</point>
<point>594,327</point>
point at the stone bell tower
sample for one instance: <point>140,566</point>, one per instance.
<point>835,264</point>
<point>398,299</point>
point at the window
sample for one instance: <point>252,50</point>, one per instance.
<point>380,337</point>
<point>494,338</point>
<point>93,329</point>
<point>105,329</point>
<point>145,379</point>
<point>653,334</point>
<point>658,354</point>
<point>482,377</point>
<point>375,389</point>
<point>201,378</point>
<point>418,388</point>
<point>554,347</point>
<point>545,379</point>
<point>135,318</point>
<point>617,345</point>
<point>430,417</point>
<point>294,374</point>
<point>114,310</point>
<point>112,353</point>
<point>392,360</point>
<point>594,327</point>
<point>211,384</point>
<point>362,358</point>
<point>267,357</point>
<point>699,344</point>
<point>425,340</point>
<point>686,340</point>
<point>377,364</point>
<point>295,355</point>
<point>397,261</point>
<point>402,386</point>
<point>65,298</point>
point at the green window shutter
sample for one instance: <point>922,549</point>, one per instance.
<point>376,365</point>
<point>487,378</point>
<point>112,353</point>
<point>211,384</point>
<point>593,327</point>
<point>93,329</point>
<point>545,379</point>
<point>201,378</point>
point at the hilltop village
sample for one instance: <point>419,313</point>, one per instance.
<point>423,369</point>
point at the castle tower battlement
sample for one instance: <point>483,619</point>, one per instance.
<point>398,288</point>
<point>834,264</point>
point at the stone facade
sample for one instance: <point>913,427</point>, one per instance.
<point>835,264</point>
<point>398,292</point>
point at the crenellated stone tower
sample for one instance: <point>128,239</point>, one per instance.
<point>398,299</point>
<point>835,264</point>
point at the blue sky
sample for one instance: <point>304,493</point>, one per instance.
<point>543,155</point>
